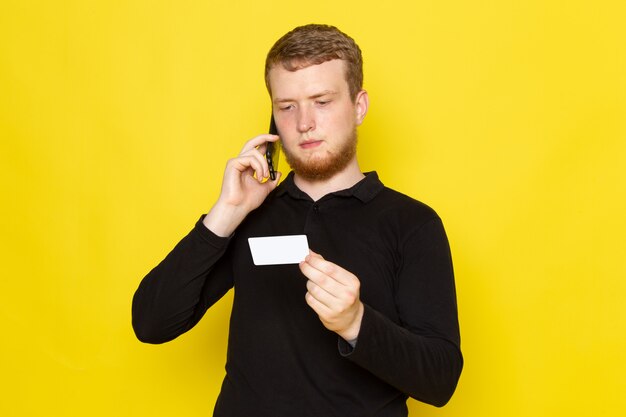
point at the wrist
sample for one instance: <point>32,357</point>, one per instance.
<point>223,219</point>
<point>351,333</point>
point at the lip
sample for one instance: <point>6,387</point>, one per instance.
<point>309,144</point>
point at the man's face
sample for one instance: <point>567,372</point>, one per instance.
<point>316,118</point>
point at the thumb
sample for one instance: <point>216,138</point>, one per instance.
<point>274,183</point>
<point>270,185</point>
<point>313,253</point>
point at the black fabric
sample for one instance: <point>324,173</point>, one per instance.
<point>281,360</point>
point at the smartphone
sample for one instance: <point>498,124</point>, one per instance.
<point>272,151</point>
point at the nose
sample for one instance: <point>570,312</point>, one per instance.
<point>306,120</point>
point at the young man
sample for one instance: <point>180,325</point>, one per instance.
<point>369,317</point>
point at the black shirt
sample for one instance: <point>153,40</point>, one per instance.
<point>281,360</point>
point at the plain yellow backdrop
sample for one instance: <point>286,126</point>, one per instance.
<point>507,117</point>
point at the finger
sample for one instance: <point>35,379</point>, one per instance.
<point>247,162</point>
<point>262,148</point>
<point>320,308</point>
<point>328,268</point>
<point>259,156</point>
<point>257,141</point>
<point>323,296</point>
<point>271,184</point>
<point>322,281</point>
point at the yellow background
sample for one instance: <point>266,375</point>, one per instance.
<point>507,117</point>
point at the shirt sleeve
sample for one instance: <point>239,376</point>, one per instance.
<point>421,354</point>
<point>174,295</point>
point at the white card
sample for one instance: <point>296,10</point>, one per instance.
<point>277,250</point>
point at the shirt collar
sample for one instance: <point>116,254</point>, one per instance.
<point>364,190</point>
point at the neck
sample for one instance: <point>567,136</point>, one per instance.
<point>342,180</point>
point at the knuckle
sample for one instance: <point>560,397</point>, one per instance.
<point>316,291</point>
<point>322,280</point>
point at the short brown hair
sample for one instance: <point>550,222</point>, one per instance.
<point>315,44</point>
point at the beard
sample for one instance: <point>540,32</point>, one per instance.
<point>320,168</point>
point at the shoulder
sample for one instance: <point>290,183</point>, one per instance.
<point>400,219</point>
<point>385,200</point>
<point>392,202</point>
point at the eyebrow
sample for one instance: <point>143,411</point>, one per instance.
<point>313,97</point>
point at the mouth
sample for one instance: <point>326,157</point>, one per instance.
<point>310,144</point>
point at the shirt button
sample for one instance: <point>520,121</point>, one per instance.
<point>316,208</point>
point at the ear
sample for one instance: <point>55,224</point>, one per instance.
<point>361,104</point>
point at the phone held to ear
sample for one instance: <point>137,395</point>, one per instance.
<point>272,151</point>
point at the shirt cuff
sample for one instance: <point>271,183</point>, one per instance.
<point>347,347</point>
<point>207,235</point>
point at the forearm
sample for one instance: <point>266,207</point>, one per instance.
<point>174,295</point>
<point>418,351</point>
<point>426,368</point>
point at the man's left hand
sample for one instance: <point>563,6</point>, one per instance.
<point>333,293</point>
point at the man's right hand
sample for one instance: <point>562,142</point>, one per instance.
<point>244,187</point>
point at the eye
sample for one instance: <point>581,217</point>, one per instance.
<point>322,102</point>
<point>286,107</point>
